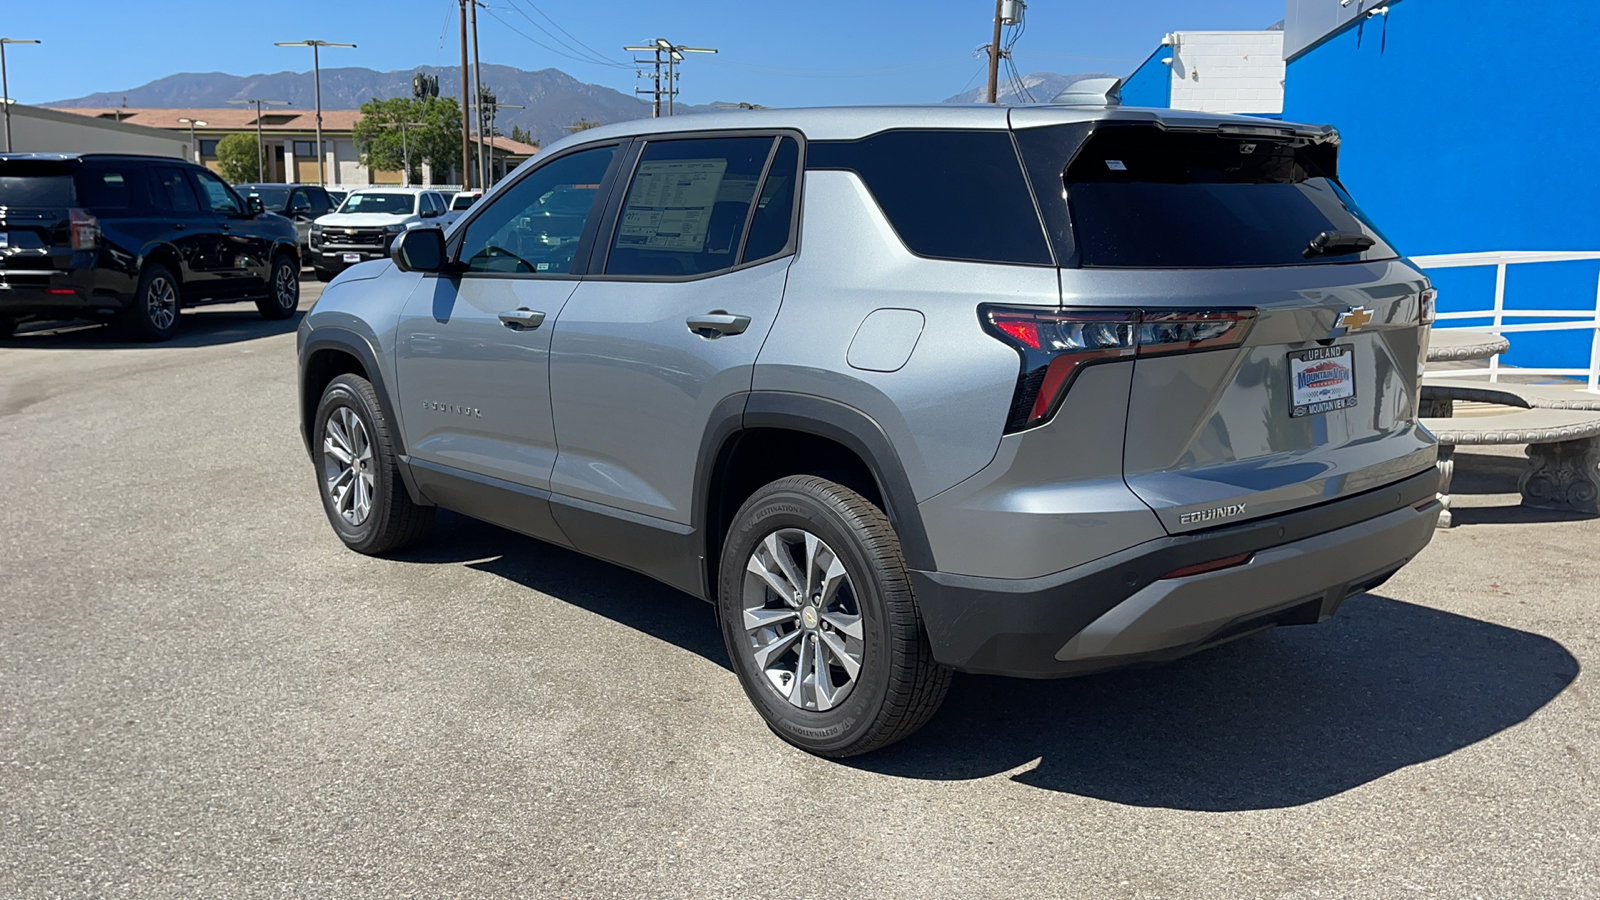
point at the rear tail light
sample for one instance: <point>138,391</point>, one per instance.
<point>1056,345</point>
<point>85,229</point>
<point>1215,565</point>
<point>1425,303</point>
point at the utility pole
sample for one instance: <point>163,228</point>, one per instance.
<point>5,85</point>
<point>261,147</point>
<point>466,116</point>
<point>494,111</point>
<point>664,51</point>
<point>316,69</point>
<point>477,94</point>
<point>994,54</point>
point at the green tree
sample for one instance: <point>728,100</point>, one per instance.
<point>582,125</point>
<point>239,158</point>
<point>519,133</point>
<point>432,134</point>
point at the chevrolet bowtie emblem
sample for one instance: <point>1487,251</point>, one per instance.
<point>1354,319</point>
<point>353,231</point>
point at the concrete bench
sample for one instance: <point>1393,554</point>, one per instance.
<point>1563,453</point>
<point>1439,396</point>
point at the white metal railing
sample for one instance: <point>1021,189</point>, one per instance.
<point>1580,320</point>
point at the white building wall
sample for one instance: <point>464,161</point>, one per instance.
<point>35,130</point>
<point>1228,71</point>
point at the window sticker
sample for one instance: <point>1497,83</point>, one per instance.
<point>1116,165</point>
<point>669,207</point>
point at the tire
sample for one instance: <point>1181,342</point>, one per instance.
<point>391,521</point>
<point>283,289</point>
<point>323,275</point>
<point>153,314</point>
<point>871,618</point>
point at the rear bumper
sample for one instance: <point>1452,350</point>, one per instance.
<point>1119,611</point>
<point>54,294</point>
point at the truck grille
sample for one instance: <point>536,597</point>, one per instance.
<point>354,237</point>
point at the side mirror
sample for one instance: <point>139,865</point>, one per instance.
<point>253,206</point>
<point>419,250</point>
<point>430,214</point>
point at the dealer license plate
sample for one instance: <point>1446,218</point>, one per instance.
<point>5,240</point>
<point>1322,380</point>
<point>352,257</point>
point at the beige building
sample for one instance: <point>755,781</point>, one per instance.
<point>38,130</point>
<point>289,136</point>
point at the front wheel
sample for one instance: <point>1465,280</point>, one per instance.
<point>358,474</point>
<point>283,289</point>
<point>819,620</point>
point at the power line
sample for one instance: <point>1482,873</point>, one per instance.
<point>535,41</point>
<point>593,54</point>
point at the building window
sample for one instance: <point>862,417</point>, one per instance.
<point>304,148</point>
<point>208,147</point>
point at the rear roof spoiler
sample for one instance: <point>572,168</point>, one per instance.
<point>1091,92</point>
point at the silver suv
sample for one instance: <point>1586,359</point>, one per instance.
<point>1035,391</point>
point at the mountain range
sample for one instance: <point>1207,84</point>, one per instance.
<point>553,99</point>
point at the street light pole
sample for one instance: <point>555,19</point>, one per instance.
<point>192,141</point>
<point>494,112</point>
<point>261,146</point>
<point>5,85</point>
<point>405,152</point>
<point>316,69</point>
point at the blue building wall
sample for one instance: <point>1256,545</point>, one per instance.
<point>1472,125</point>
<point>1150,84</point>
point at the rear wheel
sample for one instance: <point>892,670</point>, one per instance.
<point>819,620</point>
<point>283,289</point>
<point>358,475</point>
<point>153,315</point>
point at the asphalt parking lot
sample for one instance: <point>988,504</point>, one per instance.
<point>203,694</point>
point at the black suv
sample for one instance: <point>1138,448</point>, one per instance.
<point>301,203</point>
<point>137,238</point>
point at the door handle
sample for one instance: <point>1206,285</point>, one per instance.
<point>717,323</point>
<point>522,319</point>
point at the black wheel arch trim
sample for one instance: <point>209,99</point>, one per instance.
<point>351,344</point>
<point>838,422</point>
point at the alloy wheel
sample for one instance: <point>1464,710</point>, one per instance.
<point>802,620</point>
<point>161,302</point>
<point>286,287</point>
<point>347,465</point>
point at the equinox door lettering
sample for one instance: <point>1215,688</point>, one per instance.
<point>459,410</point>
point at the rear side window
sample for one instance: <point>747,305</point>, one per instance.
<point>1144,197</point>
<point>687,206</point>
<point>949,194</point>
<point>774,216</point>
<point>106,191</point>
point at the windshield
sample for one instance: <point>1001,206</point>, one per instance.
<point>272,196</point>
<point>392,204</point>
<point>1145,197</point>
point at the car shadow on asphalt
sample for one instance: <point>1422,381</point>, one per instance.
<point>1280,719</point>
<point>1490,473</point>
<point>205,327</point>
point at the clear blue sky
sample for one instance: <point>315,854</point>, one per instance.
<point>792,53</point>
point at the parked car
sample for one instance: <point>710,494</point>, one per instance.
<point>300,203</point>
<point>1127,385</point>
<point>337,196</point>
<point>463,200</point>
<point>367,221</point>
<point>136,238</point>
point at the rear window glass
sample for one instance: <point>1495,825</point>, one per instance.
<point>1143,197</point>
<point>35,190</point>
<point>949,194</point>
